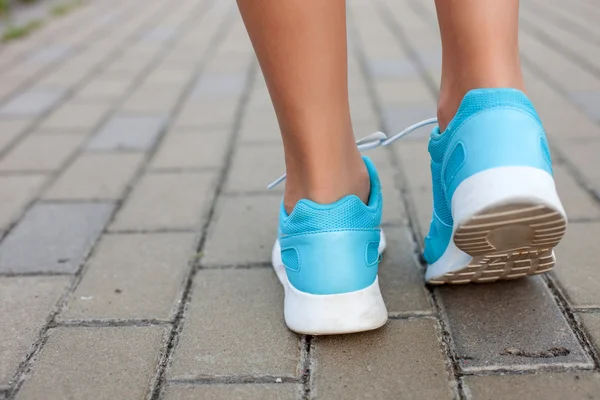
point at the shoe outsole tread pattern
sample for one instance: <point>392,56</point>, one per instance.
<point>507,242</point>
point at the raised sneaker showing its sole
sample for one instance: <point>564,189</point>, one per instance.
<point>505,230</point>
<point>311,314</point>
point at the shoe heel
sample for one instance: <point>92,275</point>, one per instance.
<point>508,219</point>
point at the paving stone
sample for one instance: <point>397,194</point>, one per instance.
<point>246,391</point>
<point>397,117</point>
<point>15,194</point>
<point>33,102</point>
<point>211,345</point>
<point>576,267</point>
<point>10,129</point>
<point>99,363</point>
<point>167,201</point>
<point>590,102</point>
<point>49,54</point>
<point>207,114</point>
<point>128,133</point>
<point>401,275</point>
<point>401,93</point>
<point>53,237</point>
<point>40,152</point>
<point>154,99</point>
<point>160,34</point>
<point>511,324</point>
<point>104,88</point>
<point>267,165</point>
<point>25,305</point>
<point>393,207</point>
<point>401,360</point>
<point>591,324</point>
<point>578,204</point>
<point>234,218</point>
<point>187,150</point>
<point>552,386</point>
<point>76,116</point>
<point>392,68</point>
<point>95,176</point>
<point>133,276</point>
<point>218,86</point>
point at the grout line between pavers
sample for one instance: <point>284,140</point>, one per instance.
<point>249,265</point>
<point>305,365</point>
<point>232,379</point>
<point>178,321</point>
<point>108,323</point>
<point>37,346</point>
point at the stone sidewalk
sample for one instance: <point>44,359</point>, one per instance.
<point>136,140</point>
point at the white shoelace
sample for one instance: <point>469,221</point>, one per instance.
<point>373,141</point>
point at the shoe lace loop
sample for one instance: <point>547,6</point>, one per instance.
<point>373,141</point>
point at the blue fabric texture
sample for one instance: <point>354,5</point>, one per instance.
<point>328,248</point>
<point>492,128</point>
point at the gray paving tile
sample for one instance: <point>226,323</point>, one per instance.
<point>188,150</point>
<point>234,219</point>
<point>397,117</point>
<point>99,363</point>
<point>167,201</point>
<point>16,192</point>
<point>393,208</point>
<point>254,167</point>
<point>95,176</point>
<point>53,237</point>
<point>576,266</point>
<point>217,86</point>
<point>104,88</point>
<point>552,386</point>
<point>75,115</point>
<point>11,129</point>
<point>128,133</point>
<point>145,100</point>
<point>578,204</point>
<point>246,391</point>
<point>25,305</point>
<point>392,68</point>
<point>207,114</point>
<point>401,275</point>
<point>33,102</point>
<point>49,54</point>
<point>511,324</point>
<point>39,152</point>
<point>213,345</point>
<point>133,276</point>
<point>160,34</point>
<point>589,102</point>
<point>591,324</point>
<point>401,360</point>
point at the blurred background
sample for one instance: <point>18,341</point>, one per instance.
<point>136,141</point>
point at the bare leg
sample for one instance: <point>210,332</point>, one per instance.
<point>480,49</point>
<point>301,47</point>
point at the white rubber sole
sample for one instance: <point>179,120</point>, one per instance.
<point>507,220</point>
<point>305,313</point>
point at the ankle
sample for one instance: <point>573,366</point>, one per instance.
<point>452,95</point>
<point>328,184</point>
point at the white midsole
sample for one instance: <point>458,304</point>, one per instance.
<point>314,314</point>
<point>493,187</point>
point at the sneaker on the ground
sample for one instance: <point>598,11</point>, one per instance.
<point>326,257</point>
<point>496,213</point>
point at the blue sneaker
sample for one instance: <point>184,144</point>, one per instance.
<point>326,257</point>
<point>496,212</point>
